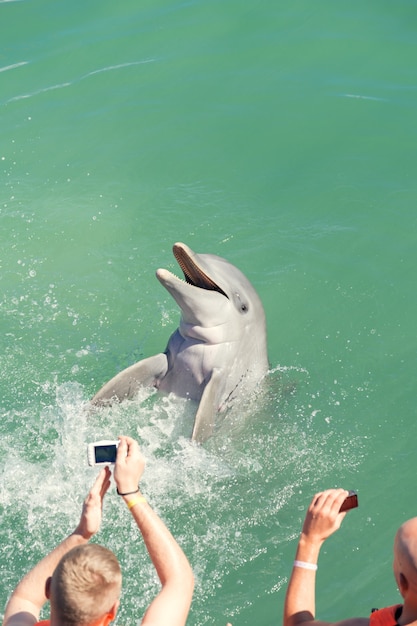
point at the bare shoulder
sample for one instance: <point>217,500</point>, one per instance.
<point>21,618</point>
<point>353,621</point>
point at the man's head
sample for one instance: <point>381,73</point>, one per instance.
<point>85,586</point>
<point>405,557</point>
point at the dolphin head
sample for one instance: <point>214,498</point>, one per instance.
<point>215,297</point>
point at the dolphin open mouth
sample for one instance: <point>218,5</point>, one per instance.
<point>193,274</point>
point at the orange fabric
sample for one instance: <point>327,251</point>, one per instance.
<point>384,617</point>
<point>103,621</point>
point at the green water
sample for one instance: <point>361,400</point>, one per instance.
<point>281,136</point>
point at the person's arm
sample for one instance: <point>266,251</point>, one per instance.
<point>27,600</point>
<point>322,520</point>
<point>172,604</point>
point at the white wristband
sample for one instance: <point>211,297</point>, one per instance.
<point>305,565</point>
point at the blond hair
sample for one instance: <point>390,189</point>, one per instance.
<point>85,585</point>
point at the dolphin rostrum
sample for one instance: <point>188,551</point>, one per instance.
<point>219,348</point>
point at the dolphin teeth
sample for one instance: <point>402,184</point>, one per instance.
<point>193,274</point>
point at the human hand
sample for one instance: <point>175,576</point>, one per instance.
<point>323,517</point>
<point>92,509</point>
<point>129,465</point>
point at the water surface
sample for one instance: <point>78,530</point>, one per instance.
<point>282,137</point>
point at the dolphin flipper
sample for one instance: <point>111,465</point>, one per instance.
<point>126,383</point>
<point>207,409</point>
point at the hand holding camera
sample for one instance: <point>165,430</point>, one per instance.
<point>325,514</point>
<point>125,455</point>
<point>129,467</point>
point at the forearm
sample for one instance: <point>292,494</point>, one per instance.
<point>174,571</point>
<point>172,603</point>
<point>299,604</point>
<point>168,558</point>
<point>29,595</point>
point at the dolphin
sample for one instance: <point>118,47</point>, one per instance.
<point>219,349</point>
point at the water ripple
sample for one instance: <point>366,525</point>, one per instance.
<point>38,91</point>
<point>12,67</point>
<point>69,84</point>
<point>116,67</point>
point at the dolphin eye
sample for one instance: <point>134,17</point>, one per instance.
<point>241,305</point>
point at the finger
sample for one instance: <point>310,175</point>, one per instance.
<point>339,501</point>
<point>328,500</point>
<point>106,483</point>
<point>127,438</point>
<point>318,502</point>
<point>99,481</point>
<point>98,490</point>
<point>335,497</point>
<point>132,447</point>
<point>332,502</point>
<point>121,449</point>
<point>316,498</point>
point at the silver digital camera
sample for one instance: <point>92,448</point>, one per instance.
<point>102,452</point>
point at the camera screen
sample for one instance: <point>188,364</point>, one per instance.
<point>105,454</point>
